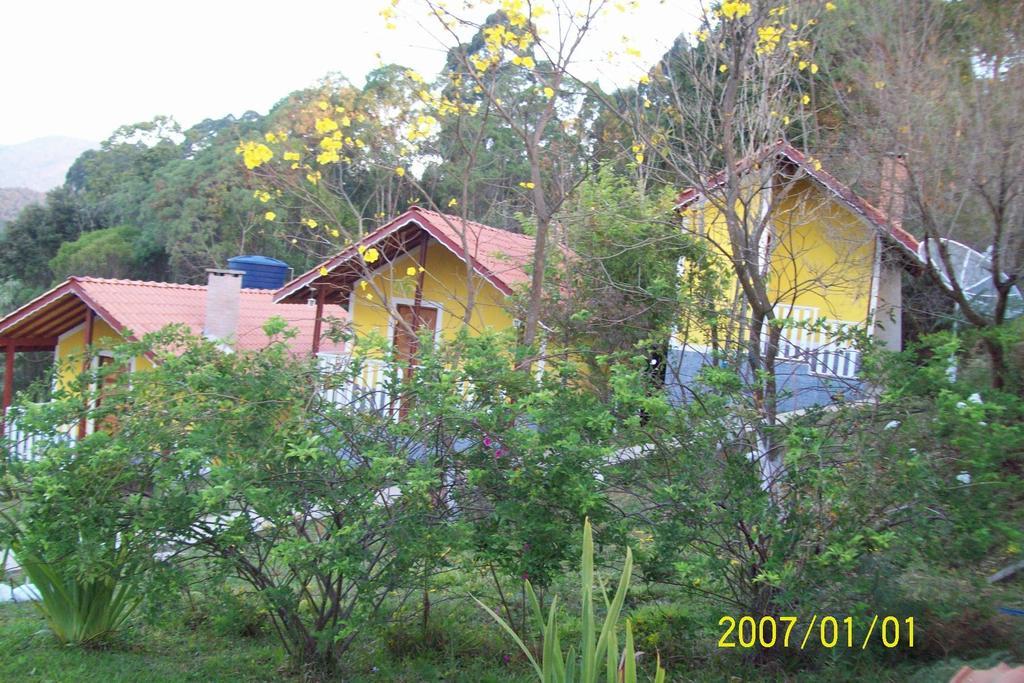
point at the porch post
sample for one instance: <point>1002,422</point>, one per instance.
<point>418,298</point>
<point>8,386</point>
<point>321,293</point>
<point>87,362</point>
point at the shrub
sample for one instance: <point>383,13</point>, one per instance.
<point>233,458</point>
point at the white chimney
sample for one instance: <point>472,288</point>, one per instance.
<point>223,297</point>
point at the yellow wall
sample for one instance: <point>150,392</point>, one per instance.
<point>444,285</point>
<point>822,257</point>
<point>71,347</point>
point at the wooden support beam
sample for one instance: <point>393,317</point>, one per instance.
<point>321,293</point>
<point>418,297</point>
<point>29,343</point>
<point>87,361</point>
<point>8,386</point>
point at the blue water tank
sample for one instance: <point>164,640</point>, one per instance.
<point>261,272</point>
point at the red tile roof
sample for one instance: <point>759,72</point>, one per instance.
<point>499,256</point>
<point>783,150</point>
<point>145,307</point>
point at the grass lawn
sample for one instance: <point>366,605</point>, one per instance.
<point>182,653</point>
<point>30,653</point>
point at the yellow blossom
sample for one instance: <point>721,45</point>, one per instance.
<point>639,158</point>
<point>362,248</point>
<point>399,171</point>
<point>292,156</point>
<point>371,255</point>
<point>270,137</point>
<point>363,284</point>
<point>830,6</point>
<point>328,157</point>
<point>323,271</point>
<point>645,79</point>
<point>326,125</point>
<point>768,39</point>
<point>647,103</point>
<point>527,184</point>
<point>410,271</point>
<point>723,68</point>
<point>806,99</point>
<point>310,222</point>
<point>549,92</point>
<point>323,105</point>
<point>879,85</point>
<point>270,215</point>
<point>369,296</point>
<point>453,202</point>
<point>314,177</point>
<point>702,35</point>
<point>335,233</point>
<point>254,154</point>
<point>732,9</point>
<point>262,195</point>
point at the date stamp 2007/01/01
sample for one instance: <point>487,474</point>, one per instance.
<point>747,632</point>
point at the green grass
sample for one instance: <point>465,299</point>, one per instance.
<point>179,653</point>
<point>31,653</point>
<point>462,647</point>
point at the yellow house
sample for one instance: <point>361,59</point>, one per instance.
<point>832,263</point>
<point>98,314</point>
<point>423,270</point>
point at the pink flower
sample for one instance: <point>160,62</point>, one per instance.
<point>488,441</point>
<point>498,453</point>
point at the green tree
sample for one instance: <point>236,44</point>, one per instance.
<point>32,239</point>
<point>108,252</point>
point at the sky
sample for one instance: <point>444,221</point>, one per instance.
<point>81,69</point>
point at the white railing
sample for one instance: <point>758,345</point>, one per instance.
<point>373,388</point>
<point>825,348</point>
<point>23,443</point>
<point>369,390</point>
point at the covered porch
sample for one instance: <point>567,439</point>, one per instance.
<point>39,326</point>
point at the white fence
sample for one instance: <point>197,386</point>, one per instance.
<point>370,388</point>
<point>376,387</point>
<point>23,443</point>
<point>822,345</point>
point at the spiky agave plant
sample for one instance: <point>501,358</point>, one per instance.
<point>81,611</point>
<point>596,651</point>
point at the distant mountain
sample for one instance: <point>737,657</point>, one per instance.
<point>14,199</point>
<point>40,164</point>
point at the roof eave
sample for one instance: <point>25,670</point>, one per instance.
<point>410,216</point>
